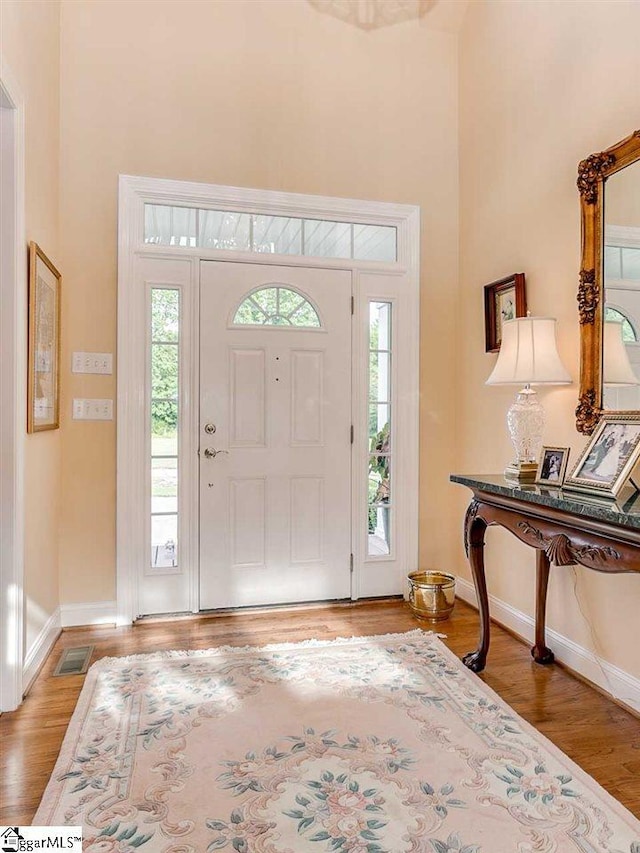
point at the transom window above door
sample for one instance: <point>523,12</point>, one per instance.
<point>277,306</point>
<point>194,227</point>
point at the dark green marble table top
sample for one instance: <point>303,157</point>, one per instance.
<point>624,510</point>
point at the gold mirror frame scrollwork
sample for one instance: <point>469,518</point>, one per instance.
<point>592,174</point>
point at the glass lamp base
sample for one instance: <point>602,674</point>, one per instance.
<point>525,420</point>
<point>521,472</point>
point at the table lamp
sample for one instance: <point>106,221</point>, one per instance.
<point>528,356</point>
<point>616,367</point>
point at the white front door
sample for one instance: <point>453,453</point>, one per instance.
<point>275,434</point>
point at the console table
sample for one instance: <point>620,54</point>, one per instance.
<point>563,527</point>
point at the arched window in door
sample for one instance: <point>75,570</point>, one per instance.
<point>277,306</point>
<point>629,335</point>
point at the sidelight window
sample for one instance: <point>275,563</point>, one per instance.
<point>164,412</point>
<point>380,479</point>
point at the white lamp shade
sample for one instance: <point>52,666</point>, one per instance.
<point>528,354</point>
<point>616,367</point>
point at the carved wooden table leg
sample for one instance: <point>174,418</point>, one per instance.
<point>474,530</point>
<point>540,652</point>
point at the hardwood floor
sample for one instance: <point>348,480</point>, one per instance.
<point>600,736</point>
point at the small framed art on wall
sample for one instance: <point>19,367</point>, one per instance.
<point>43,382</point>
<point>504,300</point>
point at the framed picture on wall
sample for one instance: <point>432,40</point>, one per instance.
<point>504,300</point>
<point>609,458</point>
<point>43,382</point>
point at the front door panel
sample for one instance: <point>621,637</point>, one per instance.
<point>275,385</point>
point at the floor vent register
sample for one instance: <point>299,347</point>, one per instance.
<point>74,661</point>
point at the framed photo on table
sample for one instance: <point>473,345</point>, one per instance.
<point>552,466</point>
<point>609,458</point>
<point>504,300</point>
<point>43,382</point>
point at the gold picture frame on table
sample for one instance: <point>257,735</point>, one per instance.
<point>43,378</point>
<point>610,457</point>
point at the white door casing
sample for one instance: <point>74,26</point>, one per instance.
<point>141,267</point>
<point>275,521</point>
<point>13,290</point>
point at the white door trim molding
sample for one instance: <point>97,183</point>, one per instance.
<point>13,290</point>
<point>370,280</point>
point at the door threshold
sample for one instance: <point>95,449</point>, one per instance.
<point>345,603</point>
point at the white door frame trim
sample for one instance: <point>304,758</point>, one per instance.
<point>134,192</point>
<point>13,325</point>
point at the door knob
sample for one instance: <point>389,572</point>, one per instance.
<point>211,452</point>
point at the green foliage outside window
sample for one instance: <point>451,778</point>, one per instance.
<point>165,318</point>
<point>628,332</point>
<point>379,473</point>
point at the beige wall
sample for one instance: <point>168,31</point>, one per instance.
<point>542,85</point>
<point>29,33</point>
<point>271,95</point>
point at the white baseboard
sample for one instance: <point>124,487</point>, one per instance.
<point>65,616</point>
<point>613,680</point>
<point>89,613</point>
<point>40,649</point>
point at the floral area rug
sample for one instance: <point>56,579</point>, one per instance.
<point>372,745</point>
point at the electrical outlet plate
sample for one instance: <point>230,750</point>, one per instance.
<point>92,410</point>
<point>92,362</point>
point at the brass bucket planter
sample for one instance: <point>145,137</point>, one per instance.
<point>431,595</point>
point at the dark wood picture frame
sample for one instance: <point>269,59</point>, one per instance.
<point>43,380</point>
<point>512,287</point>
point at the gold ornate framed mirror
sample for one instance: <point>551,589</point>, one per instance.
<point>609,291</point>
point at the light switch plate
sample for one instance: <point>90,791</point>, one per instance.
<point>92,362</point>
<point>92,410</point>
